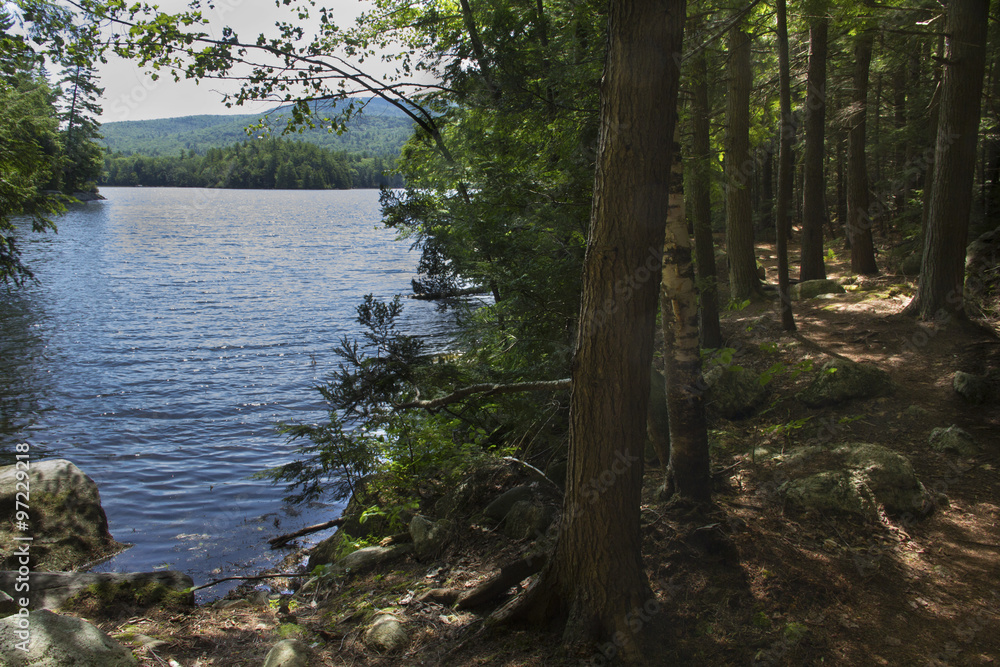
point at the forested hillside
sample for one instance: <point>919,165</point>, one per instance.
<point>380,130</point>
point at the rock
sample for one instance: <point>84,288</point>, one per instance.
<point>60,641</point>
<point>888,474</point>
<point>499,508</point>
<point>369,558</point>
<point>67,522</point>
<point>809,289</point>
<point>830,491</point>
<point>853,479</point>
<point>8,605</point>
<point>733,392</point>
<point>52,590</point>
<point>152,643</point>
<point>477,489</point>
<point>981,260</point>
<point>429,536</point>
<point>366,494</point>
<point>556,471</point>
<point>953,439</point>
<point>975,389</point>
<point>841,380</point>
<point>528,519</point>
<point>289,653</point>
<point>387,634</point>
<point>915,411</point>
<point>911,264</point>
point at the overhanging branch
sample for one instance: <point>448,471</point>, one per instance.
<point>487,390</point>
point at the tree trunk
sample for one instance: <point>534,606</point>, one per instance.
<point>701,198</point>
<point>595,579</point>
<point>940,290</point>
<point>767,195</point>
<point>859,223</point>
<point>934,116</point>
<point>813,185</point>
<point>784,170</point>
<point>743,280</point>
<point>688,473</point>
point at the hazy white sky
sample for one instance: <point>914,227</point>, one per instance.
<point>130,94</point>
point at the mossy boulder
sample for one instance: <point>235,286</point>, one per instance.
<point>733,392</point>
<point>841,380</point>
<point>974,389</point>
<point>67,522</point>
<point>953,439</point>
<point>852,479</point>
<point>810,289</point>
<point>387,634</point>
<point>429,537</point>
<point>527,519</point>
<point>104,593</point>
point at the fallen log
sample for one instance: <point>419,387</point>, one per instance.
<point>282,540</point>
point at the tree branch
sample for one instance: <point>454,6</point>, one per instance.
<point>486,389</point>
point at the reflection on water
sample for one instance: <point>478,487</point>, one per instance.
<point>170,330</point>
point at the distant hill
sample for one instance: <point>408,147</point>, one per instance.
<point>380,130</point>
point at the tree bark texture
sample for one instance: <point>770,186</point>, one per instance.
<point>742,258</point>
<point>940,290</point>
<point>688,473</point>
<point>701,199</point>
<point>595,579</point>
<point>859,222</point>
<point>784,169</point>
<point>812,266</point>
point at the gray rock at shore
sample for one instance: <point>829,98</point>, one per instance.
<point>51,590</point>
<point>841,380</point>
<point>370,558</point>
<point>66,521</point>
<point>289,653</point>
<point>59,641</point>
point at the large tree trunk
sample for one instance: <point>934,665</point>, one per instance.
<point>688,473</point>
<point>940,290</point>
<point>859,223</point>
<point>813,184</point>
<point>743,280</point>
<point>701,199</point>
<point>784,170</point>
<point>595,579</point>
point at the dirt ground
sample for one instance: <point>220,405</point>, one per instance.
<point>751,582</point>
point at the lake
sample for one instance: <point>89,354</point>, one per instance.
<point>169,331</point>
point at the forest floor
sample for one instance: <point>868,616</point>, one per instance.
<point>753,583</point>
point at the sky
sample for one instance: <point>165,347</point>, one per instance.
<point>131,94</point>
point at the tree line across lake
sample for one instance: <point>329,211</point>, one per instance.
<point>271,163</point>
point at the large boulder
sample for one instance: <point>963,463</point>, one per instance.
<point>66,519</point>
<point>852,479</point>
<point>810,289</point>
<point>733,392</point>
<point>502,504</point>
<point>59,641</point>
<point>52,590</point>
<point>527,519</point>
<point>841,380</point>
<point>975,389</point>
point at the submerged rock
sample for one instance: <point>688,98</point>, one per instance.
<point>59,641</point>
<point>841,380</point>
